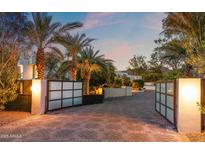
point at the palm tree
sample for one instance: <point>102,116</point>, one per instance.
<point>53,63</point>
<point>41,32</point>
<point>189,26</point>
<point>90,61</point>
<point>73,44</point>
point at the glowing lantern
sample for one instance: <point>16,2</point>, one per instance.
<point>99,91</point>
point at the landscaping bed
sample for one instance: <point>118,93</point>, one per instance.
<point>12,116</point>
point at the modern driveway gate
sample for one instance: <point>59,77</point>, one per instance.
<point>165,100</point>
<point>62,94</point>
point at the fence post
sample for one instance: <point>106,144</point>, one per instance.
<point>188,94</point>
<point>38,100</point>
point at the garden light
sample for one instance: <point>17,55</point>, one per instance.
<point>99,91</point>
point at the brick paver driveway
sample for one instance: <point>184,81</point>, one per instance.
<point>119,119</point>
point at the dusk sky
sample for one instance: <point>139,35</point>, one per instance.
<point>119,35</point>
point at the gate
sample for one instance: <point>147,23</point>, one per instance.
<point>62,94</point>
<point>165,100</point>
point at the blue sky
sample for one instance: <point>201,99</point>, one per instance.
<point>118,35</point>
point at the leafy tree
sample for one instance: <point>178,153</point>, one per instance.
<point>106,77</point>
<point>172,75</point>
<point>137,65</point>
<point>8,75</point>
<point>126,81</point>
<point>41,34</point>
<point>155,63</point>
<point>117,82</point>
<point>138,83</point>
<point>12,28</point>
<point>189,29</point>
<point>74,45</point>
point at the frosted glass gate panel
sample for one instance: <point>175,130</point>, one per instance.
<point>165,100</point>
<point>61,94</point>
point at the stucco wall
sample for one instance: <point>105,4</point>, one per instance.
<point>188,114</point>
<point>28,72</point>
<point>117,92</point>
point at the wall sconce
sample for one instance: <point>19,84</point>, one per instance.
<point>188,114</point>
<point>34,88</point>
<point>190,93</point>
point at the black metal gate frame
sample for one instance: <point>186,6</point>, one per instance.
<point>165,105</point>
<point>61,90</point>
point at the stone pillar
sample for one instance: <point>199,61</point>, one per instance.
<point>28,71</point>
<point>188,94</point>
<point>39,93</point>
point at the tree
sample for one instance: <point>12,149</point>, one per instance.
<point>53,65</point>
<point>126,81</point>
<point>155,63</point>
<point>106,77</point>
<point>137,65</point>
<point>118,82</point>
<point>8,75</point>
<point>12,28</point>
<point>41,33</point>
<point>90,61</point>
<point>74,45</point>
<point>189,29</point>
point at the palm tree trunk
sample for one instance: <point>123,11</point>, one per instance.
<point>40,63</point>
<point>87,84</point>
<point>74,68</point>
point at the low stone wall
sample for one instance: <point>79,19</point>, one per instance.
<point>117,92</point>
<point>149,86</point>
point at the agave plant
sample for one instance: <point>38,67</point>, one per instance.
<point>40,33</point>
<point>90,61</point>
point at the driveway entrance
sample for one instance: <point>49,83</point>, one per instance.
<point>119,119</point>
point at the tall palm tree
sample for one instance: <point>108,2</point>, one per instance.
<point>90,61</point>
<point>189,26</point>
<point>74,45</point>
<point>40,32</point>
<point>53,62</point>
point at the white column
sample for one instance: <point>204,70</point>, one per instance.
<point>38,103</point>
<point>27,71</point>
<point>187,95</point>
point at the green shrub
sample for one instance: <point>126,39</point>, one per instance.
<point>117,82</point>
<point>126,81</point>
<point>136,84</point>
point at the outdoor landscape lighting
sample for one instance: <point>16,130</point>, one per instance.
<point>99,91</point>
<point>189,93</point>
<point>187,96</point>
<point>34,88</point>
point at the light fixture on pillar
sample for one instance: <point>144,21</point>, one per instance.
<point>35,88</point>
<point>190,93</point>
<point>187,97</point>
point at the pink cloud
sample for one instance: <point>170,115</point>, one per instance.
<point>120,51</point>
<point>94,20</point>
